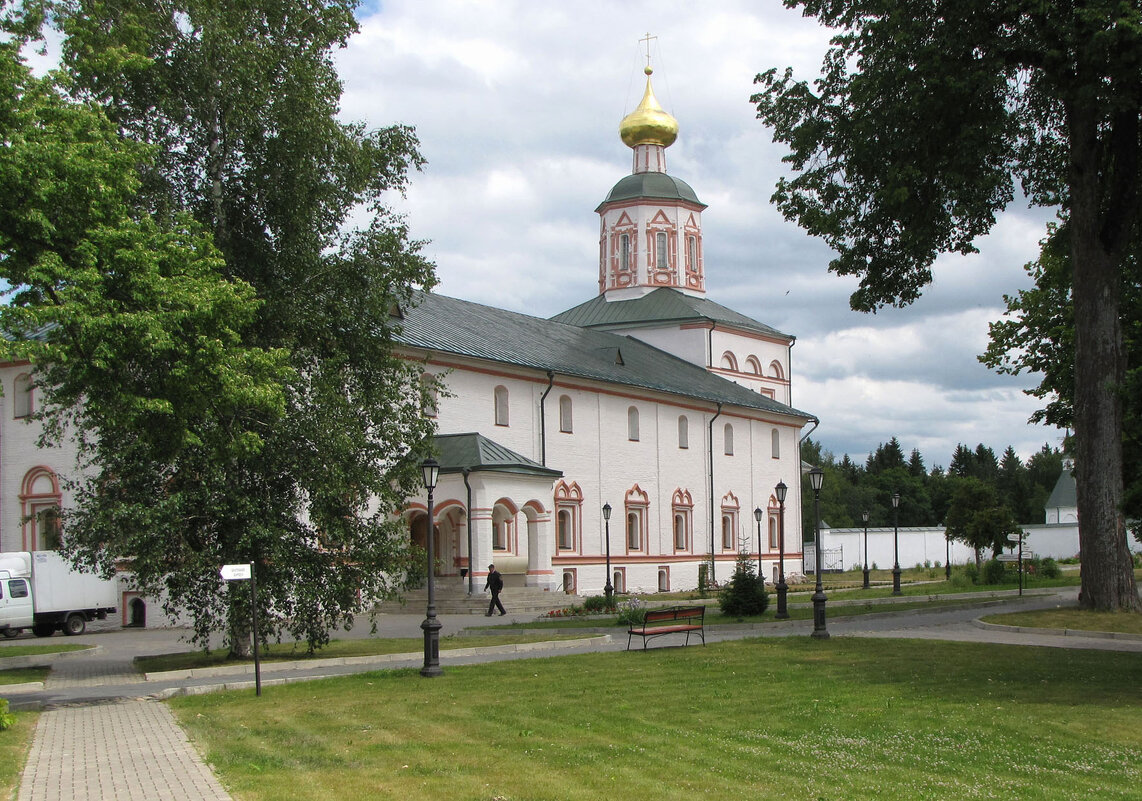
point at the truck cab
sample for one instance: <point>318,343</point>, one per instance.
<point>16,609</point>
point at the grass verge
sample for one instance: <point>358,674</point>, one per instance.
<point>14,745</point>
<point>1080,619</point>
<point>21,675</point>
<point>374,646</point>
<point>771,718</point>
<point>35,650</point>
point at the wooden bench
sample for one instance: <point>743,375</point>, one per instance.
<point>674,620</point>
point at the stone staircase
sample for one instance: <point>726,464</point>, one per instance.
<point>452,599</point>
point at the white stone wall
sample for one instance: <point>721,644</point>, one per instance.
<point>600,458</point>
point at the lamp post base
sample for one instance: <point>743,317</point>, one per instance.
<point>820,632</point>
<point>896,581</point>
<point>865,586</point>
<point>609,591</point>
<point>782,600</point>
<point>431,627</point>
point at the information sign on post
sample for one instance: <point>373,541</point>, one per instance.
<point>245,572</point>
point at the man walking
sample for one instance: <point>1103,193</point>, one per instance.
<point>495,583</point>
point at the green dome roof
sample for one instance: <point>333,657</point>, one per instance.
<point>652,185</point>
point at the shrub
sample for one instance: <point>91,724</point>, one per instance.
<point>596,604</point>
<point>1049,568</point>
<point>994,572</point>
<point>7,719</point>
<point>631,612</point>
<point>744,595</point>
<point>971,573</point>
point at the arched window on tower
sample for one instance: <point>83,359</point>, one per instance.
<point>729,439</point>
<point>624,252</point>
<point>775,444</point>
<point>662,253</point>
<point>632,424</point>
<point>683,432</point>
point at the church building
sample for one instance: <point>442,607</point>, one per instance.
<point>649,402</point>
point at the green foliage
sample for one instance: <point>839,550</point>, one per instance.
<point>1049,568</point>
<point>976,518</point>
<point>631,612</point>
<point>910,143</point>
<point>7,718</point>
<point>595,604</point>
<point>744,595</point>
<point>994,572</point>
<point>204,320</point>
<point>704,580</point>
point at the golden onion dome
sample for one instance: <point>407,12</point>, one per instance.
<point>649,124</point>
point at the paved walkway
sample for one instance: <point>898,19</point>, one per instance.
<point>104,737</point>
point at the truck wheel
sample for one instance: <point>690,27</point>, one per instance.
<point>9,633</point>
<point>43,629</point>
<point>75,624</point>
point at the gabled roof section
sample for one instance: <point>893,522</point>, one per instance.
<point>1065,494</point>
<point>448,325</point>
<point>663,305</point>
<point>476,452</point>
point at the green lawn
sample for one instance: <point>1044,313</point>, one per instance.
<point>751,719</point>
<point>22,675</point>
<point>1121,622</point>
<point>372,646</point>
<point>14,745</point>
<point>36,650</point>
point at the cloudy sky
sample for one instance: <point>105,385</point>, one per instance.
<point>517,105</point>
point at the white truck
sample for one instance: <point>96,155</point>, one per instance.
<point>40,591</point>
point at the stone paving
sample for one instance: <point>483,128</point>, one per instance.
<point>104,737</point>
<point>131,750</point>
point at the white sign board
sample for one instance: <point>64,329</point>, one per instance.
<point>235,572</point>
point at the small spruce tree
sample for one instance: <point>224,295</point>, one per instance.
<point>745,594</point>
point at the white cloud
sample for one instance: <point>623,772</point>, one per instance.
<point>517,105</point>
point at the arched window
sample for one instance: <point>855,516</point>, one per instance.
<point>752,365</point>
<point>632,424</point>
<point>501,401</point>
<point>692,253</point>
<point>624,252</point>
<point>683,432</point>
<point>729,361</point>
<point>775,369</point>
<point>428,396</point>
<point>563,528</point>
<point>565,414</point>
<point>729,439</point>
<point>682,508</point>
<point>22,401</point>
<point>775,444</point>
<point>634,531</point>
<point>636,503</point>
<point>773,545</point>
<point>503,528</point>
<point>568,511</point>
<point>39,505</point>
<point>662,261</point>
<point>730,508</point>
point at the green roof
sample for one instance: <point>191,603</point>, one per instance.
<point>663,305</point>
<point>657,185</point>
<point>476,452</point>
<point>447,325</point>
<point>1065,493</point>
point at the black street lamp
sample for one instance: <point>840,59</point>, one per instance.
<point>864,516</point>
<point>430,471</point>
<point>896,544</point>
<point>757,514</point>
<point>608,588</point>
<point>947,556</point>
<point>816,478</point>
<point>782,588</point>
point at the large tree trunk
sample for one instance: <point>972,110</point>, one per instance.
<point>1100,369</point>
